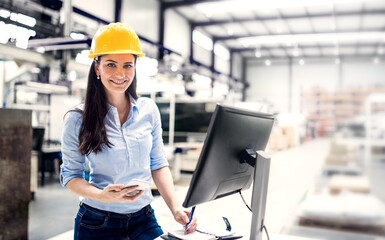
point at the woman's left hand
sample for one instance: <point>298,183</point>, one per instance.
<point>181,215</point>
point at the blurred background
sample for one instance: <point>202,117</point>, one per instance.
<point>319,66</point>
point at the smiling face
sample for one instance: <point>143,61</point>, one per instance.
<point>116,72</point>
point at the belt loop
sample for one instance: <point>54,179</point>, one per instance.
<point>80,204</point>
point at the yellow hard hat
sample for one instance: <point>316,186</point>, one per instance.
<point>115,38</point>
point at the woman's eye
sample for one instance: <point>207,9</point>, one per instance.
<point>111,65</point>
<point>128,66</point>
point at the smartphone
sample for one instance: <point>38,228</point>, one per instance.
<point>142,185</point>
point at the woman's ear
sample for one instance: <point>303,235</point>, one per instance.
<point>96,67</point>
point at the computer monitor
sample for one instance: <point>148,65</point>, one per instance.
<point>228,162</point>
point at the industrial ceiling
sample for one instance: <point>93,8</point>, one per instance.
<point>286,29</point>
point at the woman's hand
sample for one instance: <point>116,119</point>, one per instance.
<point>119,193</point>
<point>181,215</point>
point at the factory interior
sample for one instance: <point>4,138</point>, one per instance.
<point>317,67</point>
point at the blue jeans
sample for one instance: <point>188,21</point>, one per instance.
<point>92,224</point>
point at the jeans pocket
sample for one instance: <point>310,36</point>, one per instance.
<point>149,211</point>
<point>93,220</point>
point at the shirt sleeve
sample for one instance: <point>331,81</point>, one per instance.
<point>73,161</point>
<point>157,154</point>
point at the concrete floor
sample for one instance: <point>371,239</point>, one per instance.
<point>293,172</point>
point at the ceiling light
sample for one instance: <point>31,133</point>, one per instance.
<point>221,51</point>
<point>174,68</point>
<point>40,49</point>
<point>301,62</point>
<point>202,40</point>
<point>5,13</point>
<point>72,76</point>
<point>380,50</point>
<point>23,19</point>
<point>258,53</point>
<point>83,58</point>
<point>313,38</point>
<point>267,62</point>
<point>376,60</point>
<point>246,5</point>
<point>77,36</point>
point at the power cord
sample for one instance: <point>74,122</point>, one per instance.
<point>267,234</point>
<point>240,193</point>
<point>264,226</point>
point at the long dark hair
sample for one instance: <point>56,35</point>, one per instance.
<point>92,134</point>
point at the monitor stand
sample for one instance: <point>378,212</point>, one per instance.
<point>261,163</point>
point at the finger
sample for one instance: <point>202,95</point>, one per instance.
<point>115,187</point>
<point>192,226</point>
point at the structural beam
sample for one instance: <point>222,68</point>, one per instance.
<point>186,3</point>
<point>305,47</point>
<point>288,17</point>
<point>285,34</point>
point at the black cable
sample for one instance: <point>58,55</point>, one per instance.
<point>240,193</point>
<point>264,227</point>
<point>267,234</point>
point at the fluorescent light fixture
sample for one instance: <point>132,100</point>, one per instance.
<point>267,62</point>
<point>72,76</point>
<point>83,58</point>
<point>5,13</point>
<point>21,34</point>
<point>23,19</point>
<point>296,39</point>
<point>47,88</point>
<point>259,5</point>
<point>77,36</point>
<point>202,40</point>
<point>40,49</point>
<point>221,51</point>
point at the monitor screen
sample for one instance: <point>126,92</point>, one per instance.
<point>219,171</point>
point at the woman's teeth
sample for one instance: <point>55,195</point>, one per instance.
<point>118,82</point>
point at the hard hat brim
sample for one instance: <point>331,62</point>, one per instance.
<point>139,54</point>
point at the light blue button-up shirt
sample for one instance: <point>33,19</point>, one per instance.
<point>137,150</point>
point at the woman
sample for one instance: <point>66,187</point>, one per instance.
<point>120,134</point>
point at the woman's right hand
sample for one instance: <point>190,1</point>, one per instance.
<point>119,193</point>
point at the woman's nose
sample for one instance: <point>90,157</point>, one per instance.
<point>119,72</point>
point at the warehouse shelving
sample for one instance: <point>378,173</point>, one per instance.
<point>375,127</point>
<point>331,109</point>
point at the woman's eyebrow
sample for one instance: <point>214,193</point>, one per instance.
<point>109,60</point>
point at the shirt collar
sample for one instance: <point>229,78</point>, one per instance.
<point>133,103</point>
